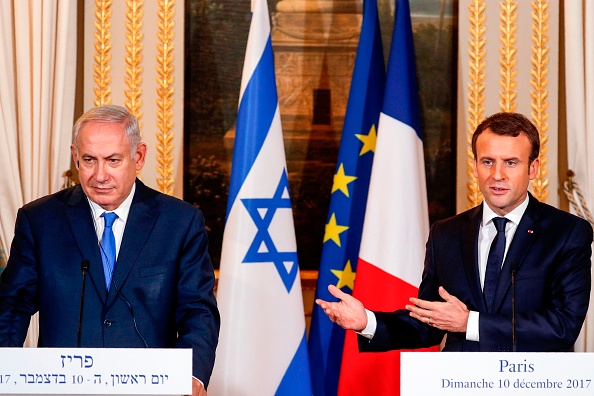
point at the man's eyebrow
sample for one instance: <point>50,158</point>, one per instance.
<point>111,156</point>
<point>512,159</point>
<point>488,157</point>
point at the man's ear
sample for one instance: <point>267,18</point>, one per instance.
<point>533,170</point>
<point>140,156</point>
<point>75,156</point>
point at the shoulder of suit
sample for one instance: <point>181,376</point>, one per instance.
<point>153,197</point>
<point>560,221</point>
<point>558,215</point>
<point>61,197</point>
<point>467,215</point>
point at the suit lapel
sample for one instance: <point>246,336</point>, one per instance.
<point>83,230</point>
<point>469,236</point>
<point>527,230</point>
<point>139,225</point>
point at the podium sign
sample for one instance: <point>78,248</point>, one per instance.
<point>95,371</point>
<point>496,373</point>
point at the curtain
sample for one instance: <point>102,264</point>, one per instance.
<point>579,63</point>
<point>37,87</point>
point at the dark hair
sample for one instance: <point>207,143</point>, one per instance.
<point>509,124</point>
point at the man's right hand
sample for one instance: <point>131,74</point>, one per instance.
<point>198,388</point>
<point>348,312</point>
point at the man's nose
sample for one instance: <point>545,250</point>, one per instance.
<point>499,171</point>
<point>101,174</point>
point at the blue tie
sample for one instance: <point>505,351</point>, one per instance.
<point>108,247</point>
<point>494,262</point>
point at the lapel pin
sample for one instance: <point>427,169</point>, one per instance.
<point>530,232</point>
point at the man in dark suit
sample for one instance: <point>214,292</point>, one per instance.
<point>150,279</point>
<point>466,290</point>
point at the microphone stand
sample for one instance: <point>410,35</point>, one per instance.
<point>514,340</point>
<point>84,265</point>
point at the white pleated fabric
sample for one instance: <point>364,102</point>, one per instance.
<point>579,77</point>
<point>37,87</point>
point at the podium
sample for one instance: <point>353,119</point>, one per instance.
<point>95,371</point>
<point>496,373</point>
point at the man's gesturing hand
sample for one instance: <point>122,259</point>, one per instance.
<point>450,315</point>
<point>348,313</point>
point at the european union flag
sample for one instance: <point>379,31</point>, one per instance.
<point>340,251</point>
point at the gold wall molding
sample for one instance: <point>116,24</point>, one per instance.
<point>504,66</point>
<point>508,39</point>
<point>134,45</point>
<point>138,70</point>
<point>476,89</point>
<point>102,56</point>
<point>165,78</point>
<point>539,92</point>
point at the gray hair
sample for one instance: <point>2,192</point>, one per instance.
<point>110,114</point>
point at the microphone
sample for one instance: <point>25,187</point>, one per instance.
<point>84,266</point>
<point>513,301</point>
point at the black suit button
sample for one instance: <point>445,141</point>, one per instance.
<point>107,322</point>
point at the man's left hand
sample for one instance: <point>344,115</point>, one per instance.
<point>449,315</point>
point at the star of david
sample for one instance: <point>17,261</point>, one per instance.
<point>263,249</point>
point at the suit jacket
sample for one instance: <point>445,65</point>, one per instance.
<point>550,252</point>
<point>162,291</point>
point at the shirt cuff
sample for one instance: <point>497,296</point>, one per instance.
<point>472,328</point>
<point>369,331</point>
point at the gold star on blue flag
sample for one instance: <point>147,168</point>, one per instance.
<point>344,225</point>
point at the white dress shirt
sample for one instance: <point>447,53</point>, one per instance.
<point>486,235</point>
<point>119,224</point>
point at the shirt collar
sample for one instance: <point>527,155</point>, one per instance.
<point>514,216</point>
<point>122,211</point>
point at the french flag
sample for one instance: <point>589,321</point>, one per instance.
<point>262,348</point>
<point>396,223</point>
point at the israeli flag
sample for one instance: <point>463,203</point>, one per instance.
<point>262,348</point>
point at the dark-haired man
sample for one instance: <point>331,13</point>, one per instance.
<point>471,258</point>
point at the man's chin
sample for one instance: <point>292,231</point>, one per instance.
<point>497,201</point>
<point>103,200</point>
